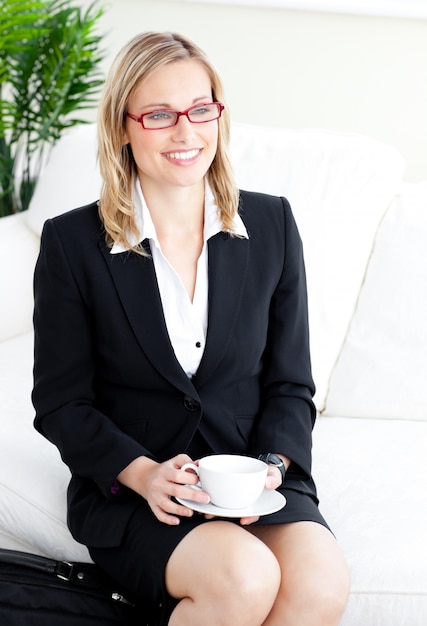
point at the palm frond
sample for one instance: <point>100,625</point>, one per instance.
<point>49,72</point>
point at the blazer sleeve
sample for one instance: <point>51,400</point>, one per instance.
<point>89,442</point>
<point>287,414</point>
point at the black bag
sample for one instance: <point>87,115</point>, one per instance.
<point>36,591</point>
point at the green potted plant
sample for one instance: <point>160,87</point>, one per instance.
<point>49,71</point>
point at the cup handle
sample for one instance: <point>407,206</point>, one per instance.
<point>195,468</point>
<point>192,466</point>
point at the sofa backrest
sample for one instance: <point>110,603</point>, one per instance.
<point>339,186</point>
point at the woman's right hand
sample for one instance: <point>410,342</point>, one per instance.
<point>159,483</point>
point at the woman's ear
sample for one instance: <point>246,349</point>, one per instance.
<point>125,138</point>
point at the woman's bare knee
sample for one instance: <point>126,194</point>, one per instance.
<point>224,575</point>
<point>315,582</point>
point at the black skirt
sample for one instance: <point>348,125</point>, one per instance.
<point>139,563</point>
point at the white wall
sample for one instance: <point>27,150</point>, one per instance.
<point>301,69</point>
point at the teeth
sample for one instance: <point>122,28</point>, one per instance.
<point>183,156</point>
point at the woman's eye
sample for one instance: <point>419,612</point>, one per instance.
<point>200,111</point>
<point>160,115</point>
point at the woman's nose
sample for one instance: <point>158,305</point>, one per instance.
<point>183,128</point>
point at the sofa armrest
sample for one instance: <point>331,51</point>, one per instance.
<point>18,253</point>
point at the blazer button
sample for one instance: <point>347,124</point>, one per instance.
<point>190,404</point>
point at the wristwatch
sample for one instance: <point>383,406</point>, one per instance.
<point>276,461</point>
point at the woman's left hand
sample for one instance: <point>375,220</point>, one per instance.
<point>274,477</point>
<point>244,521</point>
<point>274,480</point>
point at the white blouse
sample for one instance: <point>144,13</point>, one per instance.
<point>186,321</point>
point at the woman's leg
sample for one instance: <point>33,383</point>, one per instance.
<point>223,576</point>
<point>314,576</point>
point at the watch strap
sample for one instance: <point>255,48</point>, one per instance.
<point>274,459</point>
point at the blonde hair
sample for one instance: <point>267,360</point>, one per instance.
<point>135,63</point>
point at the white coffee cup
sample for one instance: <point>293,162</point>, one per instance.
<point>232,481</point>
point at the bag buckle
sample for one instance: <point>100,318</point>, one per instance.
<point>64,570</point>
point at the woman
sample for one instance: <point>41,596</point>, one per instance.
<point>171,323</point>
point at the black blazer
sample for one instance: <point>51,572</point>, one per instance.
<point>108,387</point>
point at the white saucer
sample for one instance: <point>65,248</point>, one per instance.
<point>269,502</point>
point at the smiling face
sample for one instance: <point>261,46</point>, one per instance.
<point>181,155</point>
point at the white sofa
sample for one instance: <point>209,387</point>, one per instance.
<point>365,234</point>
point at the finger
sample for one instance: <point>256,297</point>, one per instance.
<point>171,512</point>
<point>185,477</point>
<point>272,482</point>
<point>165,518</point>
<point>274,478</point>
<point>180,460</point>
<point>245,521</point>
<point>187,493</point>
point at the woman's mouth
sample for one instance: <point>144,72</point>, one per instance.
<point>187,156</point>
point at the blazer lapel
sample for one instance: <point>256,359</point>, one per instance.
<point>228,266</point>
<point>136,285</point>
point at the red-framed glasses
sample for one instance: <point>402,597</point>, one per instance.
<point>165,118</point>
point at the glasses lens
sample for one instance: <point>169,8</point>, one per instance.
<point>165,118</point>
<point>204,113</point>
<point>159,119</point>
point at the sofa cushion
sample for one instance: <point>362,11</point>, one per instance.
<point>18,253</point>
<point>339,186</point>
<point>69,179</point>
<point>382,369</point>
<point>33,479</point>
<point>377,508</point>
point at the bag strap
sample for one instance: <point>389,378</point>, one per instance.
<point>82,574</point>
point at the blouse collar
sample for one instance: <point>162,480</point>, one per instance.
<point>146,228</point>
